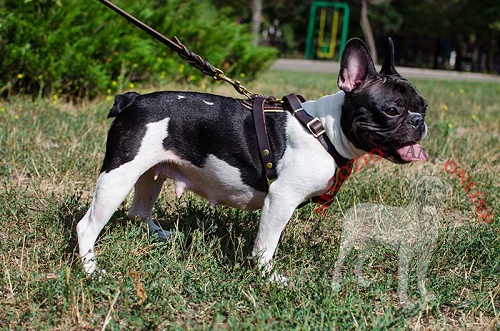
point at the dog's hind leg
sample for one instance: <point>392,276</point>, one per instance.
<point>422,267</point>
<point>146,192</point>
<point>111,189</point>
<point>405,256</point>
<point>346,245</point>
<point>117,178</point>
<point>363,254</point>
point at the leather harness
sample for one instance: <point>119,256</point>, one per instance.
<point>292,103</point>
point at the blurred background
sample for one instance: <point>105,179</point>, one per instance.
<point>461,35</point>
<point>81,49</point>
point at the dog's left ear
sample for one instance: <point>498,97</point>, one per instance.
<point>388,66</point>
<point>356,66</point>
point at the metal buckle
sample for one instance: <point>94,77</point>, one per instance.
<point>316,135</point>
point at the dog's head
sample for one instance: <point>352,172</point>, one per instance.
<point>431,190</point>
<point>382,110</point>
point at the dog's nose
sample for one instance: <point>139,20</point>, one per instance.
<point>416,120</point>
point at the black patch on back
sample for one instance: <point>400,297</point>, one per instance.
<point>195,130</point>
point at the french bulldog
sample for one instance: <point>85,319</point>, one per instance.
<point>207,144</point>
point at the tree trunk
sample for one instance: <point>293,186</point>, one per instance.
<point>367,30</point>
<point>256,19</point>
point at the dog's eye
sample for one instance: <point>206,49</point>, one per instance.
<point>392,111</point>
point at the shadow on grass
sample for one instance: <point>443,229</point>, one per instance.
<point>233,229</point>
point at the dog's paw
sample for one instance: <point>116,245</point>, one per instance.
<point>161,235</point>
<point>429,297</point>
<point>156,232</point>
<point>277,279</point>
<point>336,286</point>
<point>89,263</point>
<point>93,271</point>
<point>362,281</point>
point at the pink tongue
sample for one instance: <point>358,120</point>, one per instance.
<point>413,152</point>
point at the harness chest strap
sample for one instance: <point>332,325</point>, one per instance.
<point>262,138</point>
<point>292,103</point>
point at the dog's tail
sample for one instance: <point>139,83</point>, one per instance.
<point>122,102</point>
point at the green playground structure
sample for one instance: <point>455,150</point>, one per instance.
<point>323,33</point>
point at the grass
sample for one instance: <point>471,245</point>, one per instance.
<point>51,152</point>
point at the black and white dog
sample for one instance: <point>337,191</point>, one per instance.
<point>207,144</point>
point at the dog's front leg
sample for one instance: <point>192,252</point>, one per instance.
<point>404,258</point>
<point>422,267</point>
<point>276,213</point>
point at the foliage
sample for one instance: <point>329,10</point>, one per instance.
<point>81,48</point>
<point>290,17</point>
<point>385,18</point>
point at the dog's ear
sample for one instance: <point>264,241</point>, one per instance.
<point>388,66</point>
<point>356,66</point>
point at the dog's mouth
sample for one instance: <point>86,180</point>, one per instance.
<point>412,152</point>
<point>405,153</point>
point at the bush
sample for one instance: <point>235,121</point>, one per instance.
<point>81,48</point>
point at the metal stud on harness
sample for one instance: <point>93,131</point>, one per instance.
<point>291,103</point>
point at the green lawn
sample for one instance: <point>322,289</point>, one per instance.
<point>51,152</point>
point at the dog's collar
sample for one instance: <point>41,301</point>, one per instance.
<point>292,103</point>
